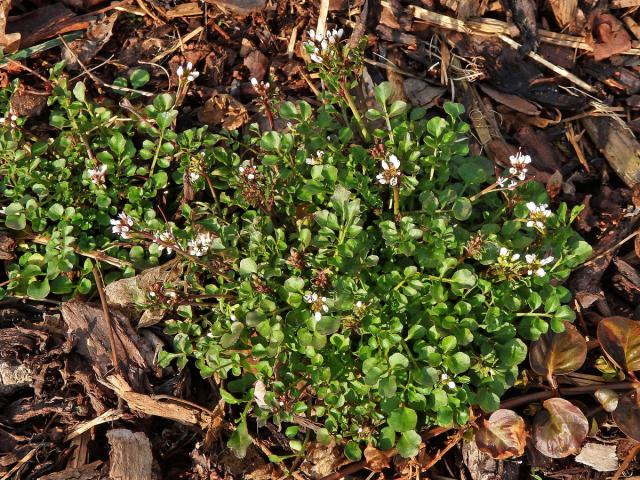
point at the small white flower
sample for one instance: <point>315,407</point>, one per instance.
<point>122,225</point>
<point>540,272</point>
<point>451,384</point>
<point>189,66</point>
<point>254,81</point>
<point>501,182</point>
<point>14,118</point>
<point>318,305</point>
<point>390,171</point>
<point>199,246</point>
<point>2,120</point>
<point>233,317</point>
<point>537,215</point>
<point>194,176</point>
<point>248,172</point>
<point>180,71</point>
<point>504,252</point>
<point>515,257</point>
<point>164,238</point>
<point>316,58</point>
<point>98,174</point>
<point>444,377</point>
<point>359,304</point>
<point>531,257</point>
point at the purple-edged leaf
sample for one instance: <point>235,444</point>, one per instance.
<point>558,353</point>
<point>627,413</point>
<point>559,429</point>
<point>620,339</point>
<point>502,435</point>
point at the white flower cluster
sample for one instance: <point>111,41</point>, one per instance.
<point>538,215</point>
<point>317,160</point>
<point>519,164</point>
<point>187,72</point>
<point>320,44</point>
<point>260,87</point>
<point>98,175</point>
<point>451,384</point>
<point>12,119</point>
<point>122,225</point>
<point>248,172</point>
<point>200,245</point>
<point>390,171</point>
<point>318,305</point>
<point>535,265</point>
<point>164,239</point>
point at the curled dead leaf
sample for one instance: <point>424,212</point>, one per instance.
<point>223,109</point>
<point>377,460</point>
<point>502,435</point>
<point>607,398</point>
<point>559,429</point>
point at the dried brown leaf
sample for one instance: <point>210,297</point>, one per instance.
<point>222,109</point>
<point>559,429</point>
<point>514,102</point>
<point>619,337</point>
<point>377,460</point>
<point>502,435</point>
<point>558,353</point>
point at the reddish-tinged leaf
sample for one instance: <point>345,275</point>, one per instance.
<point>627,414</point>
<point>620,339</point>
<point>558,353</point>
<point>560,429</point>
<point>503,435</point>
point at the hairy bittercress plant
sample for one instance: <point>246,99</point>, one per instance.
<point>361,276</point>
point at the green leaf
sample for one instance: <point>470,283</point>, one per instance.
<point>403,419</point>
<point>16,221</point>
<point>512,352</point>
<point>240,440</point>
<point>38,289</point>
<point>352,451</point>
<point>462,208</point>
<point>397,108</point>
<point>383,92</point>
<point>387,438</point>
<point>139,78</point>
<point>464,278</point>
<point>163,102</point>
<point>248,266</point>
<point>459,362</point>
<point>409,444</point>
<point>294,284</point>
<point>398,360</point>
<point>79,91</point>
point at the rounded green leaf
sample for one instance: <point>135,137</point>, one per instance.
<point>403,419</point>
<point>409,444</point>
<point>38,289</point>
<point>459,362</point>
<point>352,451</point>
<point>248,266</point>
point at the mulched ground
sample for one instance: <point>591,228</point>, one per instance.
<point>575,115</point>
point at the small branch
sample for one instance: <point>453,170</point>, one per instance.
<point>538,396</point>
<point>94,254</point>
<point>627,461</point>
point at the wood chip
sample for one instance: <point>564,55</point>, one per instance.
<point>130,456</point>
<point>601,458</point>
<point>514,102</point>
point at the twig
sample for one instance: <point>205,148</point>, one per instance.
<point>107,318</point>
<point>537,396</point>
<point>627,461</point>
<point>452,442</point>
<point>100,81</point>
<point>611,249</point>
<point>177,45</point>
<point>543,61</point>
<point>94,254</point>
<point>322,17</point>
<point>108,416</point>
<point>18,465</point>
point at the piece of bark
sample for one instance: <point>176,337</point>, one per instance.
<point>91,471</point>
<point>602,458</point>
<point>13,377</point>
<point>421,93</point>
<point>83,50</point>
<point>482,467</point>
<point>9,43</point>
<point>7,246</point>
<point>564,11</point>
<point>515,102</point>
<point>130,456</point>
<point>41,23</point>
<point>618,146</point>
<point>89,331</point>
<point>166,408</point>
<point>239,7</point>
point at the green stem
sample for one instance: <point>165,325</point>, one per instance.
<point>157,154</point>
<point>533,314</point>
<point>396,200</point>
<point>356,113</point>
<point>409,354</point>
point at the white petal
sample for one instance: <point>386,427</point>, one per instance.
<point>394,161</point>
<point>189,66</point>
<point>540,272</point>
<point>515,257</point>
<point>385,165</point>
<point>504,252</point>
<point>317,316</point>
